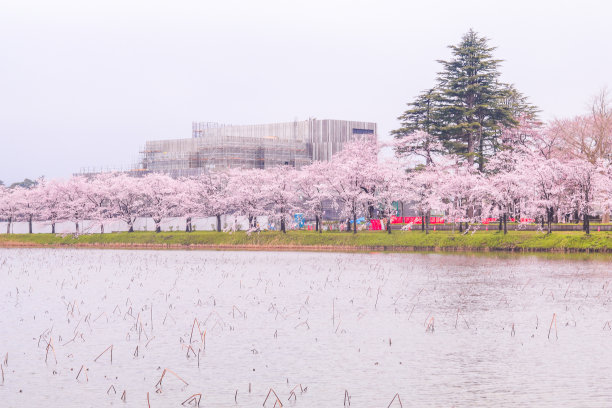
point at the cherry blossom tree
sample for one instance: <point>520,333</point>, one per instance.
<point>97,191</point>
<point>351,180</point>
<point>458,190</point>
<point>422,183</point>
<point>589,136</point>
<point>547,178</point>
<point>51,200</point>
<point>604,189</point>
<point>279,194</point>
<point>246,187</point>
<point>126,199</point>
<point>214,196</point>
<point>582,182</point>
<point>159,197</point>
<point>28,204</point>
<point>314,191</point>
<point>9,205</point>
<point>187,203</point>
<point>74,206</point>
<point>390,183</point>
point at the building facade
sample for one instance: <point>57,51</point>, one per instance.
<point>214,147</point>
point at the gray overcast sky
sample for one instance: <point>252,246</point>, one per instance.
<point>85,83</point>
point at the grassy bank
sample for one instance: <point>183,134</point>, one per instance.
<point>410,240</point>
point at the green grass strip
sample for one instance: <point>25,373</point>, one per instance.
<point>363,240</point>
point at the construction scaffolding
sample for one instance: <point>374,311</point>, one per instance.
<point>219,147</point>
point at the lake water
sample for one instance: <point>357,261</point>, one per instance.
<point>437,329</point>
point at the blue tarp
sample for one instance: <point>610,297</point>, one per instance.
<point>299,220</point>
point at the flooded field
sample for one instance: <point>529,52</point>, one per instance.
<point>84,328</point>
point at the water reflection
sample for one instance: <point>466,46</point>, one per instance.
<point>437,329</point>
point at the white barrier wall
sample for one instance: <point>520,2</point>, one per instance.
<point>141,224</point>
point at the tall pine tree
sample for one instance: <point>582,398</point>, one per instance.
<point>420,117</point>
<point>469,105</point>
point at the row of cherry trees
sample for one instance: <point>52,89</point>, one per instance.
<point>526,179</point>
<point>351,182</point>
<point>550,173</point>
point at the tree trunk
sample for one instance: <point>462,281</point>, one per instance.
<point>605,218</point>
<point>188,224</point>
<point>470,148</point>
<point>586,224</point>
<point>102,227</point>
<point>130,225</point>
<point>30,224</point>
<point>422,214</point>
<point>218,222</point>
<point>157,222</point>
<point>354,223</point>
<point>348,225</point>
<point>480,154</point>
<point>77,226</point>
<point>283,225</point>
<point>550,215</point>
<point>460,226</point>
<point>505,224</point>
<point>500,224</point>
<point>317,222</point>
<point>8,226</point>
<point>425,222</point>
<point>53,227</point>
<point>389,225</point>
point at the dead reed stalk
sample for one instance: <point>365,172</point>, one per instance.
<point>410,315</point>
<point>347,399</point>
<point>234,308</point>
<point>50,345</point>
<point>101,314</point>
<point>195,322</point>
<point>150,340</point>
<point>430,325</point>
<point>194,399</point>
<point>105,350</point>
<point>334,312</point>
<point>398,398</point>
<point>85,372</point>
<point>554,320</point>
<point>278,401</point>
<point>301,389</point>
<point>189,348</point>
<point>159,383</point>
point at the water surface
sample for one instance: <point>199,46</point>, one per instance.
<point>438,329</point>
